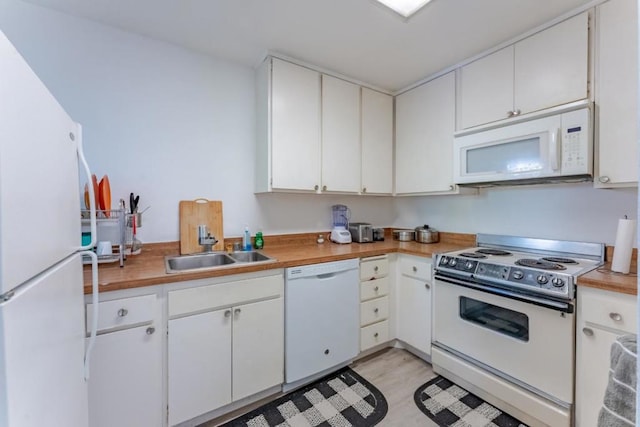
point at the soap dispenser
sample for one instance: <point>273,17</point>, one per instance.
<point>246,239</point>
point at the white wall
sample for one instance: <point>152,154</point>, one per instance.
<point>171,125</point>
<point>559,211</point>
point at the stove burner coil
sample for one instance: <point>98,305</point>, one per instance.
<point>559,260</point>
<point>472,255</point>
<point>489,251</point>
<point>539,263</point>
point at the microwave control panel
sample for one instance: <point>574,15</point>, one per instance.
<point>575,142</point>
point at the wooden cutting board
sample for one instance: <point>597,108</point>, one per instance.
<point>194,213</point>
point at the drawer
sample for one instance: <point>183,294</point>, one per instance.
<point>211,297</point>
<point>375,334</point>
<point>373,268</point>
<point>374,310</point>
<point>415,267</point>
<point>609,309</point>
<point>374,288</point>
<point>122,312</point>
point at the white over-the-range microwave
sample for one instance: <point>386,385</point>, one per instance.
<point>554,148</point>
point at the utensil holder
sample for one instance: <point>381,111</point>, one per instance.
<point>138,218</point>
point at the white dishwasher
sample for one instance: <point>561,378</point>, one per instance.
<point>321,318</point>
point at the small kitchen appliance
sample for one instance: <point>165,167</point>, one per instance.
<point>361,232</point>
<point>378,234</point>
<point>512,298</point>
<point>340,232</point>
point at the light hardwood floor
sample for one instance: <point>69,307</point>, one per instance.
<point>397,374</point>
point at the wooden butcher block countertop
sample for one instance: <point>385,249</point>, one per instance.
<point>289,250</point>
<point>294,250</point>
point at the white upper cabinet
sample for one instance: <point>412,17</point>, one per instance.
<point>547,69</point>
<point>377,142</point>
<point>321,134</point>
<point>616,87</point>
<point>288,151</point>
<point>340,135</point>
<point>425,122</point>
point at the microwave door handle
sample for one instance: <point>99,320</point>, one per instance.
<point>553,149</point>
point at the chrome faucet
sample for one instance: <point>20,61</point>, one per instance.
<point>205,239</point>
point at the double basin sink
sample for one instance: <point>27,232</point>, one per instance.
<point>213,260</point>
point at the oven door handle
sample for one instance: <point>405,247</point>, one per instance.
<point>563,307</point>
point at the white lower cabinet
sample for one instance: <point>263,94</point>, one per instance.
<point>603,316</point>
<point>374,301</point>
<point>125,384</point>
<point>413,296</point>
<point>225,342</point>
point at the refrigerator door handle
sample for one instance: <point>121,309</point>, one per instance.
<point>94,303</point>
<point>92,195</point>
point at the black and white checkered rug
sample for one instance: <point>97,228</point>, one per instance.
<point>449,405</point>
<point>342,399</point>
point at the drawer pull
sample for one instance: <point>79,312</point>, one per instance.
<point>428,286</point>
<point>587,331</point>
<point>123,312</point>
<point>415,269</point>
<point>150,330</point>
<point>236,311</point>
<point>616,317</point>
<point>375,310</point>
<point>375,335</point>
<point>227,313</point>
<point>375,268</point>
<point>377,288</point>
<point>326,351</point>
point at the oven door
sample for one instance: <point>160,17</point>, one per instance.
<point>526,343</point>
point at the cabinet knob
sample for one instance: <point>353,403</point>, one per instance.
<point>427,286</point>
<point>227,313</point>
<point>236,311</point>
<point>376,268</point>
<point>315,187</point>
<point>326,351</point>
<point>587,331</point>
<point>616,317</point>
<point>516,113</point>
<point>415,269</point>
<point>375,310</point>
<point>123,312</point>
<point>509,113</point>
<point>150,330</point>
<point>604,179</point>
<point>451,187</point>
<point>364,189</point>
<point>377,288</point>
<point>376,335</point>
<point>324,188</point>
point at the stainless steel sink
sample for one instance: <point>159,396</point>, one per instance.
<point>175,264</point>
<point>212,260</point>
<point>250,256</point>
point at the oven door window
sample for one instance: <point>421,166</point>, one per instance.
<point>499,319</point>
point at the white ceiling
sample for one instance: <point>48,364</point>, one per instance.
<point>357,38</point>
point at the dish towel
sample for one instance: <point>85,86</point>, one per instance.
<point>619,408</point>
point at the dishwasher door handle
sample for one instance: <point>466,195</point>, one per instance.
<point>326,276</point>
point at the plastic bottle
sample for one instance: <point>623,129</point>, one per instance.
<point>246,239</point>
<point>259,242</point>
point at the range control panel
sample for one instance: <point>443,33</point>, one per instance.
<point>516,276</point>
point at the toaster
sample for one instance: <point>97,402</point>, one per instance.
<point>361,232</point>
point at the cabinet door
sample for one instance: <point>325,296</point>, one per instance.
<point>125,387</point>
<point>414,313</point>
<point>425,122</point>
<point>616,93</point>
<point>340,135</point>
<point>258,347</point>
<point>377,142</point>
<point>486,89</point>
<point>199,364</point>
<point>295,127</point>
<point>551,66</point>
<point>592,373</point>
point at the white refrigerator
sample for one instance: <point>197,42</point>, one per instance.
<point>42,320</point>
